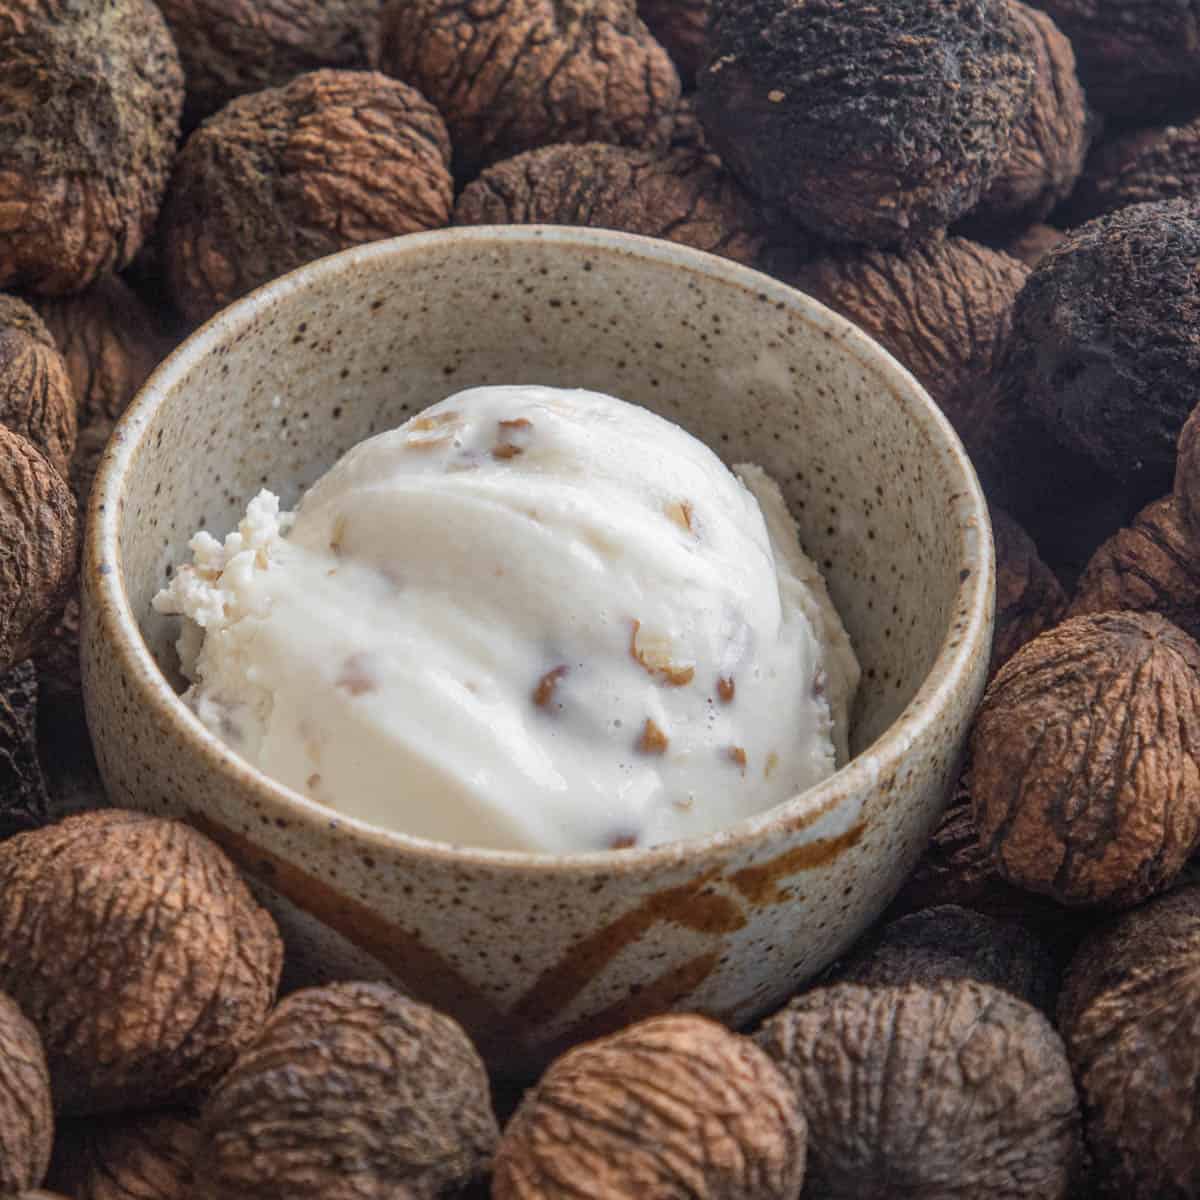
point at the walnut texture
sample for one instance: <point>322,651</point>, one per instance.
<point>283,176</point>
<point>26,1114</point>
<point>351,1092</point>
<point>683,197</point>
<point>946,1090</point>
<point>39,530</point>
<point>36,396</point>
<point>682,28</point>
<point>231,47</point>
<point>90,96</point>
<point>137,951</point>
<point>868,124</point>
<point>1029,598</point>
<point>673,1106</point>
<point>143,1157</point>
<point>1085,776</point>
<point>521,74</point>
<point>1187,476</point>
<point>1032,244</point>
<point>24,803</point>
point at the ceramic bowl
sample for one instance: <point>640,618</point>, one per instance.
<point>533,952</point>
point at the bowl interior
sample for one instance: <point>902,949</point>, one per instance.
<point>271,394</point>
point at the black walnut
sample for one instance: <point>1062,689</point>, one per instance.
<point>287,175</point>
<point>1187,475</point>
<point>1130,1015</point>
<point>231,47</point>
<point>90,96</point>
<point>26,1114</point>
<point>24,803</point>
<point>682,28</point>
<point>529,73</point>
<point>1085,769</point>
<point>948,1090</point>
<point>868,124</point>
<point>350,1091</point>
<point>684,197</point>
<point>1032,244</point>
<point>138,952</point>
<point>673,1106</point>
<point>1029,598</point>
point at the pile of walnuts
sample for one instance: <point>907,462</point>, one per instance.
<point>1007,197</point>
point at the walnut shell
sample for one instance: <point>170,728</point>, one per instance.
<point>1029,598</point>
<point>231,47</point>
<point>1105,340</point>
<point>350,1091</point>
<point>1048,147</point>
<point>953,1089</point>
<point>675,1106</point>
<point>90,96</point>
<point>36,396</point>
<point>681,26</point>
<point>1031,245</point>
<point>24,803</point>
<point>39,530</point>
<point>877,124</point>
<point>1187,475</point>
<point>26,1114</point>
<point>942,308</point>
<point>283,176</point>
<point>1130,1015</point>
<point>137,951</point>
<point>683,197</point>
<point>126,1158</point>
<point>950,942</point>
<point>1085,768</point>
<point>529,73</point>
<point>1152,566</point>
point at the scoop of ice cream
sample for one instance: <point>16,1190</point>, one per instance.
<point>526,619</point>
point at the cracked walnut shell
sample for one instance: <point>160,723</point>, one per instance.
<point>284,176</point>
<point>231,47</point>
<point>948,1091</point>
<point>350,1092</point>
<point>683,197</point>
<point>520,74</point>
<point>867,123</point>
<point>1085,776</point>
<point>1130,1015</point>
<point>90,95</point>
<point>138,952</point>
<point>675,1106</point>
<point>26,1115</point>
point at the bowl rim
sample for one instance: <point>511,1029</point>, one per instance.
<point>103,582</point>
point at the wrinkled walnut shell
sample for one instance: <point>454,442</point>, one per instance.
<point>349,1082</point>
<point>39,529</point>
<point>284,176</point>
<point>681,26</point>
<point>231,47</point>
<point>1048,147</point>
<point>26,1114</point>
<point>138,952</point>
<point>949,942</point>
<point>1106,344</point>
<point>126,1158</point>
<point>683,197</point>
<point>90,96</point>
<point>1029,598</point>
<point>943,308</point>
<point>954,1089</point>
<point>671,1106</point>
<point>1130,1015</point>
<point>1187,475</point>
<point>36,396</point>
<point>878,124</point>
<point>1031,245</point>
<point>1085,775</point>
<point>531,73</point>
<point>24,803</point>
<point>1152,566</point>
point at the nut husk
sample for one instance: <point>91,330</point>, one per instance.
<point>671,1106</point>
<point>135,948</point>
<point>24,803</point>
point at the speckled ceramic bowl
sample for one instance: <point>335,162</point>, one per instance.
<point>532,952</point>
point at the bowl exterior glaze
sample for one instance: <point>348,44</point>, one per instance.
<point>532,953</point>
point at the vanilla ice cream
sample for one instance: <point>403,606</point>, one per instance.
<point>526,619</point>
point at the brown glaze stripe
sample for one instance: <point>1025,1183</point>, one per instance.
<point>761,884</point>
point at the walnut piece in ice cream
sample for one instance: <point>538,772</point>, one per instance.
<point>528,619</point>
